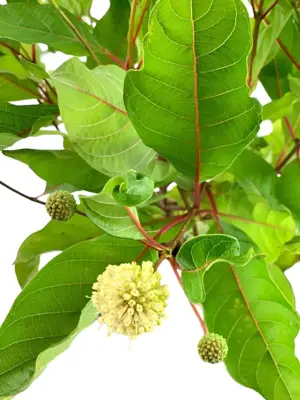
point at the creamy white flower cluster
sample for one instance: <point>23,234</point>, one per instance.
<point>130,298</point>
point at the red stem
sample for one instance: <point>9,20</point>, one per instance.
<point>150,240</point>
<point>269,9</point>
<point>214,209</point>
<point>202,323</point>
<point>164,229</point>
<point>140,23</point>
<point>33,53</point>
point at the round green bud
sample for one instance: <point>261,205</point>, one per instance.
<point>212,348</point>
<point>61,205</point>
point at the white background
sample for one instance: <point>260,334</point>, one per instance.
<point>160,365</point>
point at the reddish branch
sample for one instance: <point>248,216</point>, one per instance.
<point>140,23</point>
<point>175,269</point>
<point>214,209</point>
<point>284,48</point>
<point>257,16</point>
<point>131,43</point>
<point>150,241</point>
<point>33,53</point>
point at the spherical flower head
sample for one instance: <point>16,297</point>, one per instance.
<point>130,298</point>
<point>61,205</point>
<point>213,348</point>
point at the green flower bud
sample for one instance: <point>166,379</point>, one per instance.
<point>212,348</point>
<point>130,298</point>
<point>61,205</point>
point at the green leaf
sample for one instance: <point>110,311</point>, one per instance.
<point>279,108</point>
<point>49,308</point>
<point>59,167</point>
<point>194,83</point>
<point>110,216</point>
<point>283,284</point>
<point>34,69</point>
<point>53,237</point>
<point>274,76</point>
<point>41,23</point>
<point>77,7</point>
<point>288,189</point>
<point>255,175</point>
<point>267,37</point>
<point>134,189</point>
<point>14,89</point>
<point>18,122</point>
<point>245,306</point>
<point>161,171</point>
<point>91,105</point>
<point>290,36</point>
<point>111,30</point>
<point>198,254</point>
<point>11,65</point>
<point>269,229</point>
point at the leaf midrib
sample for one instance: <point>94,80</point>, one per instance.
<point>237,279</point>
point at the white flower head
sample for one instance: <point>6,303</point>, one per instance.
<point>130,298</point>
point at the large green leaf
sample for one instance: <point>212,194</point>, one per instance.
<point>288,189</point>
<point>111,30</point>
<point>18,122</point>
<point>91,105</point>
<point>193,85</point>
<point>48,309</point>
<point>268,228</point>
<point>109,215</point>
<point>58,167</point>
<point>54,236</point>
<point>197,255</point>
<point>246,306</point>
<point>40,23</point>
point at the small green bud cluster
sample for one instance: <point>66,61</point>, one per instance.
<point>61,205</point>
<point>130,298</point>
<point>213,348</point>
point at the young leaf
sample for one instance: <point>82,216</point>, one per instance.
<point>110,216</point>
<point>288,189</point>
<point>48,309</point>
<point>54,236</point>
<point>245,306</point>
<point>35,70</point>
<point>41,23</point>
<point>197,255</point>
<point>59,167</point>
<point>268,228</point>
<point>133,190</point>
<point>91,104</point>
<point>18,122</point>
<point>191,93</point>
